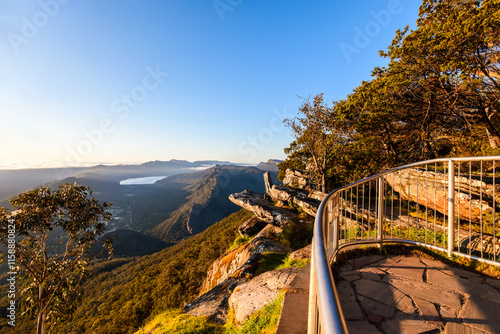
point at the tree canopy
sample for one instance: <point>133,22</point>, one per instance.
<point>52,271</point>
<point>438,96</point>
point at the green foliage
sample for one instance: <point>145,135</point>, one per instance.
<point>263,321</point>
<point>174,321</point>
<point>273,261</point>
<point>297,235</point>
<point>439,96</point>
<point>121,300</point>
<point>238,242</point>
<point>270,261</point>
<point>51,276</point>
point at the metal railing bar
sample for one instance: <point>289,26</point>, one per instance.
<point>435,201</point>
<point>426,200</point>
<point>458,206</point>
<point>334,229</point>
<point>494,220</point>
<point>470,207</point>
<point>481,207</point>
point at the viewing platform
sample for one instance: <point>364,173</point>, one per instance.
<point>402,294</point>
<point>450,206</point>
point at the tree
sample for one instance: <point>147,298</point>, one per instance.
<point>313,137</point>
<point>452,58</point>
<point>54,232</point>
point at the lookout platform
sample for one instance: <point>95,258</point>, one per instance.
<point>402,294</point>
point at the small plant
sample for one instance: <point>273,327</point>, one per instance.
<point>174,321</point>
<point>297,235</point>
<point>263,321</point>
<point>238,242</point>
<point>270,261</point>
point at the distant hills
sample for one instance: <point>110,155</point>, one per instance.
<point>206,199</point>
<point>191,197</point>
<point>271,165</point>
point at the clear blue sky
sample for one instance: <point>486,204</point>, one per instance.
<point>133,81</point>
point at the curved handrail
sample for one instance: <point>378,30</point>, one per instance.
<point>334,230</point>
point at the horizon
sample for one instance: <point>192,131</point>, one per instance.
<point>68,164</point>
<point>126,81</point>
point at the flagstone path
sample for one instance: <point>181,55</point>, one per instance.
<point>407,294</point>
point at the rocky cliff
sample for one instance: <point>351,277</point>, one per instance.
<point>238,279</point>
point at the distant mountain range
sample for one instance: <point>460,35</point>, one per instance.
<point>191,197</point>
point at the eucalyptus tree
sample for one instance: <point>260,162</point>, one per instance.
<point>52,272</point>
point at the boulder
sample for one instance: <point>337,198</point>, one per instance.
<point>486,244</point>
<point>302,254</point>
<point>252,296</point>
<point>308,205</point>
<point>263,208</point>
<point>243,261</point>
<point>251,227</point>
<point>282,193</point>
<point>296,179</point>
<point>432,191</point>
<point>315,194</point>
<point>214,304</point>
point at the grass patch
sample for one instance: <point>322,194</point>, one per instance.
<point>174,321</point>
<point>273,261</point>
<point>270,261</point>
<point>238,242</point>
<point>263,321</point>
<point>297,235</point>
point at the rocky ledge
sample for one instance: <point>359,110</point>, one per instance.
<point>231,280</point>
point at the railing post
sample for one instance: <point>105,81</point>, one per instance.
<point>312,320</point>
<point>451,206</point>
<point>380,209</point>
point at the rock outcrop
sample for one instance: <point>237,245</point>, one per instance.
<point>252,296</point>
<point>282,193</point>
<point>263,208</point>
<point>301,254</point>
<point>230,271</point>
<point>251,227</point>
<point>230,280</point>
<point>214,303</point>
<point>243,261</point>
<point>432,190</point>
<point>308,205</point>
<point>268,182</point>
<point>296,179</point>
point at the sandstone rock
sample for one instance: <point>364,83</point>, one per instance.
<point>296,179</point>
<point>301,254</point>
<point>263,208</point>
<point>214,303</point>
<point>263,289</point>
<point>433,192</point>
<point>282,193</point>
<point>243,261</point>
<point>268,182</point>
<point>319,195</point>
<point>251,227</point>
<point>308,205</point>
<point>485,243</point>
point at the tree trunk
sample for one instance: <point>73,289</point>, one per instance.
<point>494,139</point>
<point>323,182</point>
<point>42,312</point>
<point>491,131</point>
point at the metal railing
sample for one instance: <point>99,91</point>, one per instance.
<point>446,204</point>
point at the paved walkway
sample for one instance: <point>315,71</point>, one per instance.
<point>400,294</point>
<point>293,319</point>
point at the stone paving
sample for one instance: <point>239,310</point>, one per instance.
<point>405,294</point>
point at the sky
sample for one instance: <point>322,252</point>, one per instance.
<point>134,81</point>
